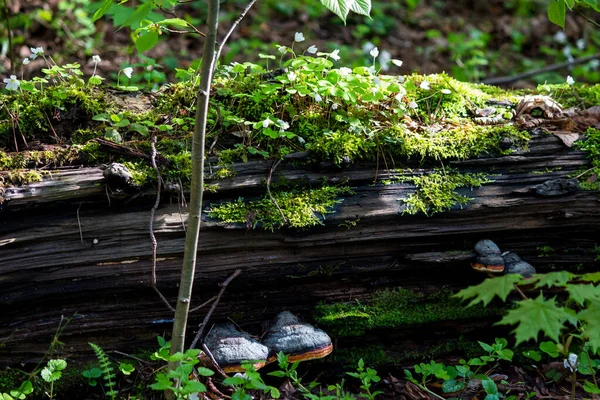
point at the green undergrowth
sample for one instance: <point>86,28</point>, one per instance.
<point>295,208</point>
<point>436,192</point>
<point>393,309</point>
<point>588,179</point>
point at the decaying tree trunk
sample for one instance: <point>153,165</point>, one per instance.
<point>66,250</point>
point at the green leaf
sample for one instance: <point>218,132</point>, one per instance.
<point>489,288</point>
<point>102,10</point>
<point>533,316</point>
<point>556,12</point>
<point>194,387</point>
<point>570,4</point>
<point>591,388</point>
<point>534,355</point>
<point>549,348</point>
<point>581,293</point>
<point>205,371</point>
<point>489,386</point>
<point>592,323</point>
<point>141,129</point>
<point>591,277</point>
<point>101,117</point>
<point>551,279</point>
<point>362,7</point>
<point>146,41</point>
<point>452,385</point>
<point>126,369</point>
<point>341,8</point>
<point>138,15</point>
<point>182,23</point>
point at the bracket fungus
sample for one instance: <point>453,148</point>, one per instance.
<point>514,265</point>
<point>488,258</point>
<point>299,341</point>
<point>232,348</point>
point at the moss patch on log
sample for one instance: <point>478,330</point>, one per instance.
<point>396,308</point>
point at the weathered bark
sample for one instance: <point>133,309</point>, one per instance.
<point>46,271</point>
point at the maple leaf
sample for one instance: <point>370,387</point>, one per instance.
<point>581,293</point>
<point>551,279</point>
<point>535,315</point>
<point>489,288</point>
<point>591,277</point>
<point>592,323</point>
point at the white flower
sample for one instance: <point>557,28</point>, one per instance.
<point>371,70</point>
<point>570,80</point>
<point>374,89</point>
<point>318,98</point>
<point>401,79</point>
<point>312,49</point>
<point>384,58</point>
<point>128,71</point>
<point>335,55</point>
<point>266,123</point>
<point>397,63</point>
<point>377,81</point>
<point>283,125</point>
<point>345,71</point>
<point>298,37</point>
<point>301,140</point>
<point>399,97</point>
<point>335,106</point>
<point>367,47</point>
<point>291,76</point>
<point>36,51</point>
<point>560,37</point>
<point>580,43</point>
<point>26,61</point>
<point>374,52</point>
<point>445,91</point>
<point>593,64</point>
<point>12,83</point>
<point>571,362</point>
<point>96,59</point>
<point>413,105</point>
<point>282,49</point>
<point>424,85</point>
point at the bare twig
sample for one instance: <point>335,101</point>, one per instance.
<point>235,24</point>
<point>207,302</point>
<point>212,309</point>
<point>213,361</point>
<point>588,19</point>
<point>211,386</point>
<point>152,213</point>
<point>549,68</point>
<point>271,170</point>
<point>79,224</point>
<point>171,13</point>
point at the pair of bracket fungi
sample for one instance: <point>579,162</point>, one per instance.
<point>490,259</point>
<point>299,341</point>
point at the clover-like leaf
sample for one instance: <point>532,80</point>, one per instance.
<point>535,315</point>
<point>489,288</point>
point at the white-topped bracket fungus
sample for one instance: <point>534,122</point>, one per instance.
<point>514,265</point>
<point>488,257</point>
<point>299,341</point>
<point>232,348</point>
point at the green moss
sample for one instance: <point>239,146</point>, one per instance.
<point>300,208</point>
<point>582,96</point>
<point>436,192</point>
<point>591,146</point>
<point>394,309</point>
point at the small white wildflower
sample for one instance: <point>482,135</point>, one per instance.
<point>335,106</point>
<point>367,47</point>
<point>26,61</point>
<point>267,122</point>
<point>12,83</point>
<point>283,125</point>
<point>401,79</point>
<point>571,362</point>
<point>96,59</point>
<point>344,71</point>
<point>567,53</point>
<point>371,70</point>
<point>399,97</point>
<point>374,89</point>
<point>384,58</point>
<point>312,49</point>
<point>128,71</point>
<point>291,76</point>
<point>95,241</point>
<point>424,85</point>
<point>593,64</point>
<point>397,63</point>
<point>318,98</point>
<point>301,140</point>
<point>335,54</point>
<point>445,91</point>
<point>413,105</point>
<point>36,51</point>
<point>560,37</point>
<point>580,43</point>
<point>299,37</point>
<point>377,81</point>
<point>570,80</point>
<point>374,52</point>
<point>282,49</point>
